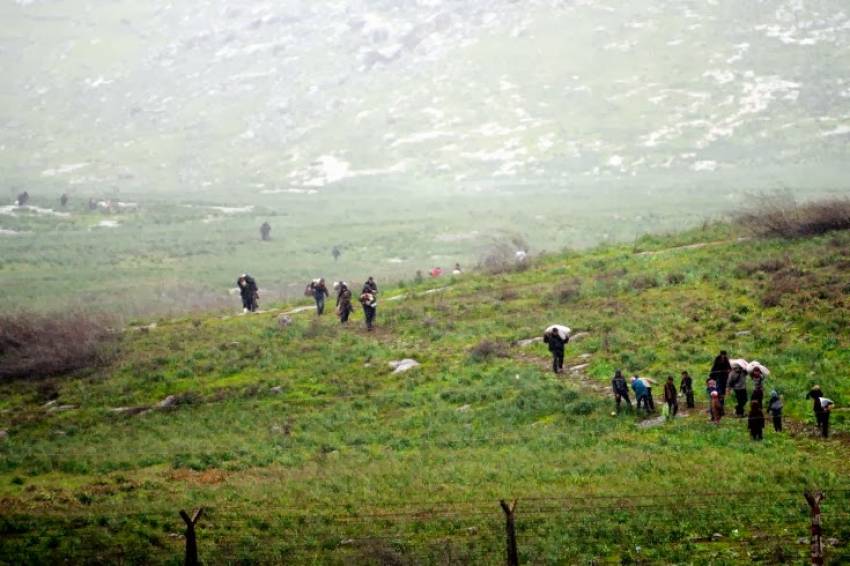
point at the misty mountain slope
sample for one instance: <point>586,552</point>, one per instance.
<point>259,96</point>
<point>302,445</point>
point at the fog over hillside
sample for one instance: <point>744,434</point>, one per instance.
<point>259,96</point>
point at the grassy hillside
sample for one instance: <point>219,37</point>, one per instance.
<point>302,445</point>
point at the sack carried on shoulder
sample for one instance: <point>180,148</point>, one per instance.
<point>308,290</point>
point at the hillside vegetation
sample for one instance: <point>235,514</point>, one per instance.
<point>303,446</point>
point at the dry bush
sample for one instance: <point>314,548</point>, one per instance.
<point>567,292</point>
<point>675,278</point>
<point>642,282</point>
<point>501,257</point>
<point>487,349</point>
<point>781,284</point>
<point>770,265</point>
<point>780,216</point>
<point>42,345</point>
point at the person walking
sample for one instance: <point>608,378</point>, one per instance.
<point>671,397</point>
<point>557,339</point>
<point>320,291</point>
<point>343,302</point>
<point>621,390</point>
<point>714,408</point>
<point>265,231</point>
<point>738,384</point>
<point>755,421</point>
<point>686,386</point>
<point>648,383</point>
<point>371,285</point>
<point>821,418</point>
<point>370,305</point>
<point>774,406</point>
<point>720,374</point>
<point>639,387</point>
<point>249,292</point>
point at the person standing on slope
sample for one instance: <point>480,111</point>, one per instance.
<point>720,374</point>
<point>621,390</point>
<point>557,337</point>
<point>369,301</point>
<point>738,384</point>
<point>249,291</point>
<point>343,302</point>
<point>686,386</point>
<point>320,291</point>
<point>775,408</point>
<point>755,421</point>
<point>640,390</point>
<point>671,396</point>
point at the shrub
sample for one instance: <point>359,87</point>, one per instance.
<point>780,216</point>
<point>42,345</point>
<point>783,283</point>
<point>487,349</point>
<point>642,282</point>
<point>675,278</point>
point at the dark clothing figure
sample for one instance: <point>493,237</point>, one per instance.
<point>720,374</point>
<point>714,408</point>
<point>738,384</point>
<point>621,390</point>
<point>249,291</point>
<point>265,231</point>
<point>755,421</point>
<point>686,386</point>
<point>370,286</point>
<point>92,204</point>
<point>775,408</point>
<point>336,253</point>
<point>671,397</point>
<point>556,346</point>
<point>320,291</point>
<point>23,198</point>
<point>343,303</point>
<point>758,395</point>
<point>815,395</point>
<point>370,308</point>
<point>63,200</point>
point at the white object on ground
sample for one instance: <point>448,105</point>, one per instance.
<point>401,366</point>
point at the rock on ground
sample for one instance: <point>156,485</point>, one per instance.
<point>168,402</point>
<point>401,366</point>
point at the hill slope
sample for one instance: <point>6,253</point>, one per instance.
<point>302,445</point>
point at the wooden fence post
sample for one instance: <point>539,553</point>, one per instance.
<point>191,541</point>
<point>814,500</point>
<point>510,530</point>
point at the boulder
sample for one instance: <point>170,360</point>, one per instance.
<point>402,366</point>
<point>277,389</point>
<point>529,341</point>
<point>167,403</point>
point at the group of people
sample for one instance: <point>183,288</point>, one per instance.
<point>726,377</point>
<point>368,299</point>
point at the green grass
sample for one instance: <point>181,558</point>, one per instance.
<point>351,463</point>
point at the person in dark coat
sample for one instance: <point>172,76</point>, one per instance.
<point>249,291</point>
<point>720,374</point>
<point>265,231</point>
<point>370,305</point>
<point>621,390</point>
<point>371,285</point>
<point>63,200</point>
<point>343,302</point>
<point>320,291</point>
<point>738,385</point>
<point>774,406</point>
<point>686,386</point>
<point>755,420</point>
<point>23,198</point>
<point>671,396</point>
<point>821,413</point>
<point>556,346</point>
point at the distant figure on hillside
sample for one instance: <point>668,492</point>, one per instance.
<point>319,291</point>
<point>265,231</point>
<point>686,386</point>
<point>418,277</point>
<point>63,200</point>
<point>371,285</point>
<point>250,293</point>
<point>720,374</point>
<point>436,272</point>
<point>457,270</point>
<point>23,198</point>
<point>737,383</point>
<point>715,410</point>
<point>92,204</point>
<point>821,406</point>
<point>369,301</point>
<point>671,396</point>
<point>755,421</point>
<point>343,302</point>
<point>775,408</point>
<point>336,253</point>
<point>639,387</point>
<point>621,390</point>
<point>557,336</point>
